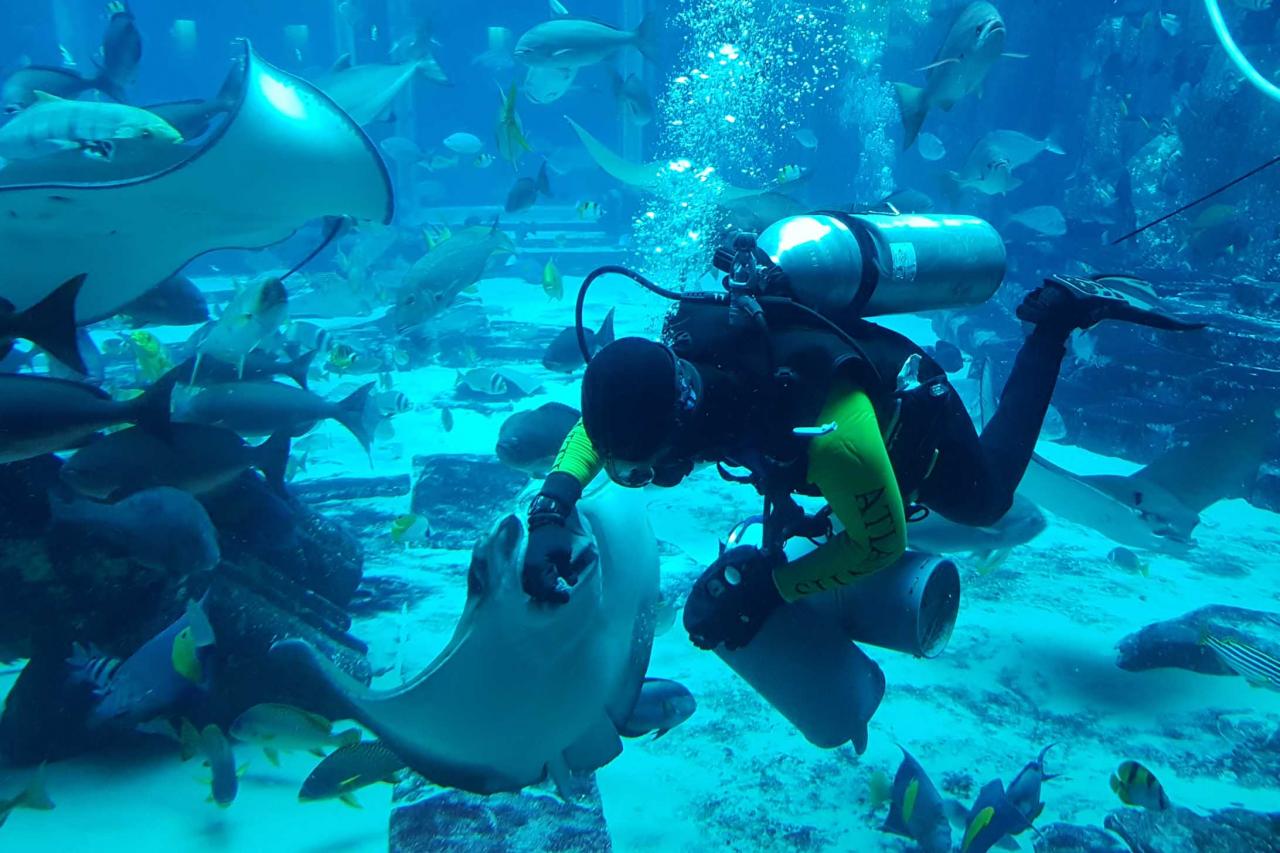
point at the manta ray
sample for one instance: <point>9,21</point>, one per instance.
<point>283,156</point>
<point>524,691</point>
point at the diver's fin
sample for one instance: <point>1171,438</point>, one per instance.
<point>1095,302</point>
<point>51,324</point>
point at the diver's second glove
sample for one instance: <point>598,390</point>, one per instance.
<point>733,598</point>
<point>549,567</point>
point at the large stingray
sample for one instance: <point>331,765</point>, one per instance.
<point>524,690</point>
<point>283,156</point>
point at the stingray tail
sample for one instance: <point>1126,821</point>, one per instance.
<point>51,324</point>
<point>914,109</point>
<point>353,413</point>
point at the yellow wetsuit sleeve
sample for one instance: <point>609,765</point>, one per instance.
<point>851,467</point>
<point>577,457</point>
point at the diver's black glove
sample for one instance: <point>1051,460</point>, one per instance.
<point>549,568</point>
<point>733,598</point>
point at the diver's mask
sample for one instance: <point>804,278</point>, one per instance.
<point>665,472</point>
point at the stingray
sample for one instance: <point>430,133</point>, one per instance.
<point>1158,507</point>
<point>644,176</point>
<point>524,690</point>
<point>283,156</point>
<point>366,92</point>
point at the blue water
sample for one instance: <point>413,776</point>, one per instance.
<point>792,104</point>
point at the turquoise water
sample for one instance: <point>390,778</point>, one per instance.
<point>755,111</point>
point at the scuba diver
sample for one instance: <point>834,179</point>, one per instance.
<point>783,379</point>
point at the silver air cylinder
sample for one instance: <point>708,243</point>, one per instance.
<point>885,263</point>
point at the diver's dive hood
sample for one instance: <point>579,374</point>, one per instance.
<point>828,268</point>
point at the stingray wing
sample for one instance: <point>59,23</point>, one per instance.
<point>284,156</point>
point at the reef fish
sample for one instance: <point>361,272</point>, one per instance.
<point>350,768</point>
<point>529,441</point>
<point>973,44</point>
<point>916,809</point>
<point>276,727</point>
<point>162,528</point>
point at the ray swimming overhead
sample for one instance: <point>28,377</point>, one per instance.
<point>285,155</point>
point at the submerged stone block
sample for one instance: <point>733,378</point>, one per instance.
<point>459,822</point>
<point>461,495</point>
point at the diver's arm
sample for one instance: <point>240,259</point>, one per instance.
<point>575,466</point>
<point>549,568</point>
<point>851,467</point>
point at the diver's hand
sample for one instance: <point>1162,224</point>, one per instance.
<point>732,599</point>
<point>549,568</point>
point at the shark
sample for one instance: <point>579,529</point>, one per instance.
<point>648,176</point>
<point>524,691</point>
<point>366,92</point>
<point>1157,507</point>
<point>282,156</point>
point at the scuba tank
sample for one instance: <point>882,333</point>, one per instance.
<point>844,266</point>
<point>804,661</point>
<point>873,264</point>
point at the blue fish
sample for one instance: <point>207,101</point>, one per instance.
<point>991,820</point>
<point>1024,791</point>
<point>222,762</point>
<point>916,810</point>
<point>156,679</point>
